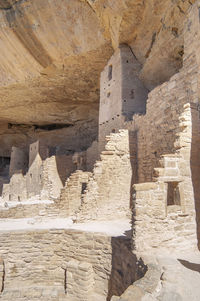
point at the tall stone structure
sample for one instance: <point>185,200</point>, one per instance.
<point>122,94</point>
<point>19,161</point>
<point>37,152</point>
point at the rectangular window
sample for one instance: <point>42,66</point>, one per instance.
<point>173,194</point>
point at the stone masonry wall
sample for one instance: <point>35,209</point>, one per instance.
<point>163,211</point>
<point>173,117</point>
<point>73,193</point>
<point>110,99</point>
<point>157,131</point>
<point>79,272</point>
<point>19,161</point>
<point>41,261</point>
<point>51,182</point>
<point>122,93</point>
<point>108,189</point>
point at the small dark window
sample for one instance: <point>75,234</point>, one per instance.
<point>9,197</point>
<point>173,194</point>
<point>83,188</point>
<point>31,175</point>
<point>113,130</point>
<point>110,72</point>
<point>124,100</point>
<point>19,199</point>
<point>108,95</point>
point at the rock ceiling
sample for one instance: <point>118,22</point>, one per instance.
<point>52,52</point>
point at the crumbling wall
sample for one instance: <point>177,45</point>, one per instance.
<point>73,193</point>
<point>108,190</point>
<point>50,180</point>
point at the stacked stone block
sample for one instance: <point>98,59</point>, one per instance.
<point>80,280</point>
<point>108,191</point>
<point>73,193</point>
<point>63,265</point>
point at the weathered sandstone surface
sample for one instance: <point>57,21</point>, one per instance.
<point>99,150</point>
<point>52,53</point>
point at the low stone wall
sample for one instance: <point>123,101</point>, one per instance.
<point>157,226</point>
<point>29,210</point>
<point>43,261</point>
<point>79,280</point>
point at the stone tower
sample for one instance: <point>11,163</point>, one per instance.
<point>122,93</point>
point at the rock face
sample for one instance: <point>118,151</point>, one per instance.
<point>99,150</point>
<point>52,53</point>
